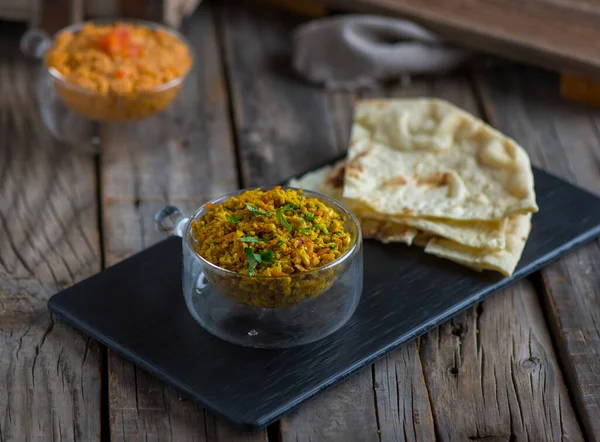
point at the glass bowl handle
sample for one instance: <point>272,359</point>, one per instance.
<point>34,43</point>
<point>171,220</point>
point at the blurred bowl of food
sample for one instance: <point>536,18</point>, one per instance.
<point>115,71</point>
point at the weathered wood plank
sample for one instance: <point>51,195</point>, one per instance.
<point>562,138</point>
<point>459,406</point>
<point>49,372</point>
<point>493,375</point>
<point>282,125</point>
<point>285,127</point>
<point>183,156</point>
<point>403,406</point>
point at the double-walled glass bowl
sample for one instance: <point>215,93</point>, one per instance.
<point>275,311</point>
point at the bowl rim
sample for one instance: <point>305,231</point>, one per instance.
<point>54,73</point>
<point>355,247</point>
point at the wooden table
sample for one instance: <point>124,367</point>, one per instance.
<point>523,365</point>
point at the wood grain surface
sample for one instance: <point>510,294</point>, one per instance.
<point>563,138</point>
<point>281,125</point>
<point>556,34</point>
<point>491,374</point>
<point>49,372</point>
<point>294,128</point>
<point>404,404</point>
<point>446,384</point>
<point>183,157</point>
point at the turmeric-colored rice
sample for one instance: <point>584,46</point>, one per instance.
<point>276,232</point>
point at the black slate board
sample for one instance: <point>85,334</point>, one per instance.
<point>137,308</point>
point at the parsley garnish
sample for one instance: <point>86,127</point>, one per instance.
<point>263,256</point>
<point>282,220</point>
<point>304,229</point>
<point>253,260</point>
<point>280,242</point>
<point>338,233</point>
<point>234,219</point>
<point>322,229</point>
<point>254,239</point>
<point>290,206</point>
<point>267,256</point>
<point>333,246</point>
<point>310,216</point>
<point>256,211</point>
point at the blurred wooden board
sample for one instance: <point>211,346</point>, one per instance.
<point>562,35</point>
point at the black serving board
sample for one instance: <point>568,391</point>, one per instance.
<point>137,308</point>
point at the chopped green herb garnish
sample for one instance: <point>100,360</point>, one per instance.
<point>322,229</point>
<point>256,211</point>
<point>338,233</point>
<point>253,260</point>
<point>254,239</point>
<point>290,206</point>
<point>234,219</point>
<point>304,229</point>
<point>282,220</point>
<point>312,206</point>
<point>280,242</point>
<point>267,256</point>
<point>333,246</point>
<point>310,216</point>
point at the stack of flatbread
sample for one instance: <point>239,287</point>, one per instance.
<point>425,172</point>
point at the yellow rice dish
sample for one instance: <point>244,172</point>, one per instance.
<point>277,243</point>
<point>271,233</point>
<point>115,72</point>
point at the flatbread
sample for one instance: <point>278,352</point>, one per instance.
<point>503,261</point>
<point>426,158</point>
<point>387,232</point>
<point>329,180</point>
<point>488,235</point>
<point>323,180</point>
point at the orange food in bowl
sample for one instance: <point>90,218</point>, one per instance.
<point>118,72</point>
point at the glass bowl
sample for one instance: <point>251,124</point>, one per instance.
<point>70,111</point>
<point>274,311</point>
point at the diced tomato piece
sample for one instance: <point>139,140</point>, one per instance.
<point>110,43</point>
<point>120,73</point>
<point>118,42</point>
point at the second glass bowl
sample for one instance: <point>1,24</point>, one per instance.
<point>70,111</point>
<point>269,312</point>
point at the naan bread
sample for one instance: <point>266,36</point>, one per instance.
<point>503,261</point>
<point>329,180</point>
<point>426,158</point>
<point>326,181</point>
<point>488,235</point>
